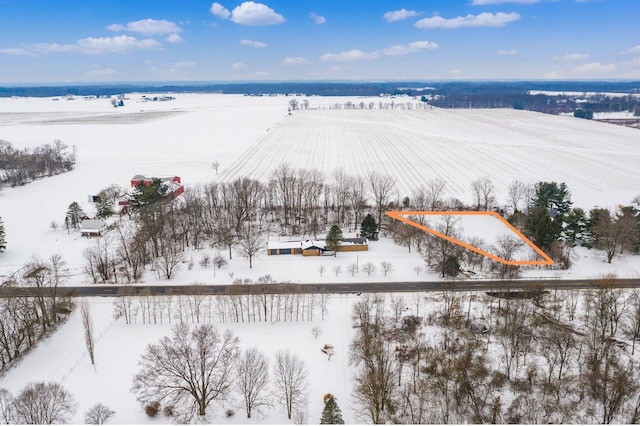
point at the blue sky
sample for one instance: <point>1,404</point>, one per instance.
<point>229,40</point>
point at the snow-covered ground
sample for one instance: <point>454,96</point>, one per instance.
<point>252,135</point>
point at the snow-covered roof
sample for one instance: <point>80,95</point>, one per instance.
<point>321,244</point>
<point>283,244</point>
<point>92,225</point>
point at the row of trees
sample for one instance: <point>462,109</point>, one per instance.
<point>21,166</point>
<point>46,403</point>
<point>27,319</point>
<point>195,367</point>
<point>240,215</point>
<point>3,238</point>
<point>506,358</point>
<point>265,302</point>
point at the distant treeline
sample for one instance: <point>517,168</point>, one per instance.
<point>415,88</point>
<point>21,166</point>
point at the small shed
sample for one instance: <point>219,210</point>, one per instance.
<point>353,244</point>
<point>92,227</point>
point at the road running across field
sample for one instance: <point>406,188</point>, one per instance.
<point>354,288</point>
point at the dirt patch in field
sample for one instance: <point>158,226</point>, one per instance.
<point>84,118</point>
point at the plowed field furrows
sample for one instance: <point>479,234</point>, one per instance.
<point>598,161</point>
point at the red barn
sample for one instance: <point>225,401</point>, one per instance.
<point>172,182</point>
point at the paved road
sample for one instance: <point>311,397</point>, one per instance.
<point>388,287</point>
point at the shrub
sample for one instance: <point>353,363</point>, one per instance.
<point>169,411</point>
<point>229,412</point>
<point>152,409</point>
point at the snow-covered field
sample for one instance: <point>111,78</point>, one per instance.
<point>251,136</point>
<point>598,162</point>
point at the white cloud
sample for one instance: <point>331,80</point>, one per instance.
<point>261,74</point>
<point>554,75</point>
<point>499,19</point>
<point>399,15</point>
<point>319,20</point>
<point>397,50</point>
<point>594,68</point>
<point>220,11</point>
<point>632,51</point>
<point>106,72</point>
<point>54,47</point>
<point>238,66</point>
<point>507,52</point>
<point>489,2</point>
<point>16,52</point>
<point>174,38</point>
<point>118,44</point>
<point>348,56</point>
<point>253,43</point>
<point>400,50</point>
<point>147,27</point>
<point>288,62</point>
<point>183,64</point>
<point>253,14</point>
<point>572,57</point>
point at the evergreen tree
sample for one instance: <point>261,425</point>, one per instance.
<point>331,415</point>
<point>144,195</point>
<point>550,195</point>
<point>104,207</point>
<point>576,231</point>
<point>74,216</point>
<point>369,228</point>
<point>550,205</point>
<point>3,241</point>
<point>541,228</point>
<point>334,237</point>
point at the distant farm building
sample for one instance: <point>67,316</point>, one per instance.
<point>173,183</point>
<point>92,227</point>
<point>314,247</point>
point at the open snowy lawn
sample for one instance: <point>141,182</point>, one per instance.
<point>63,358</point>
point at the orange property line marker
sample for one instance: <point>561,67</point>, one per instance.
<point>399,215</point>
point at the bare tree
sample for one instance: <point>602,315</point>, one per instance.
<point>352,269</point>
<point>215,164</point>
<point>87,324</point>
<point>252,380</point>
<point>44,403</point>
<point>218,262</point>
<point>381,187</point>
<point>7,409</point>
<point>190,370</point>
<point>506,248</point>
<point>290,374</point>
<point>632,321</point>
<point>322,269</point>
<point>369,268</point>
<point>371,352</point>
<point>169,259</point>
<point>337,270</point>
<point>483,192</point>
<point>386,267</point>
<point>250,243</point>
<point>316,331</point>
<point>99,414</point>
<point>517,193</point>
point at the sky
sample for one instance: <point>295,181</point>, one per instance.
<point>70,41</point>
